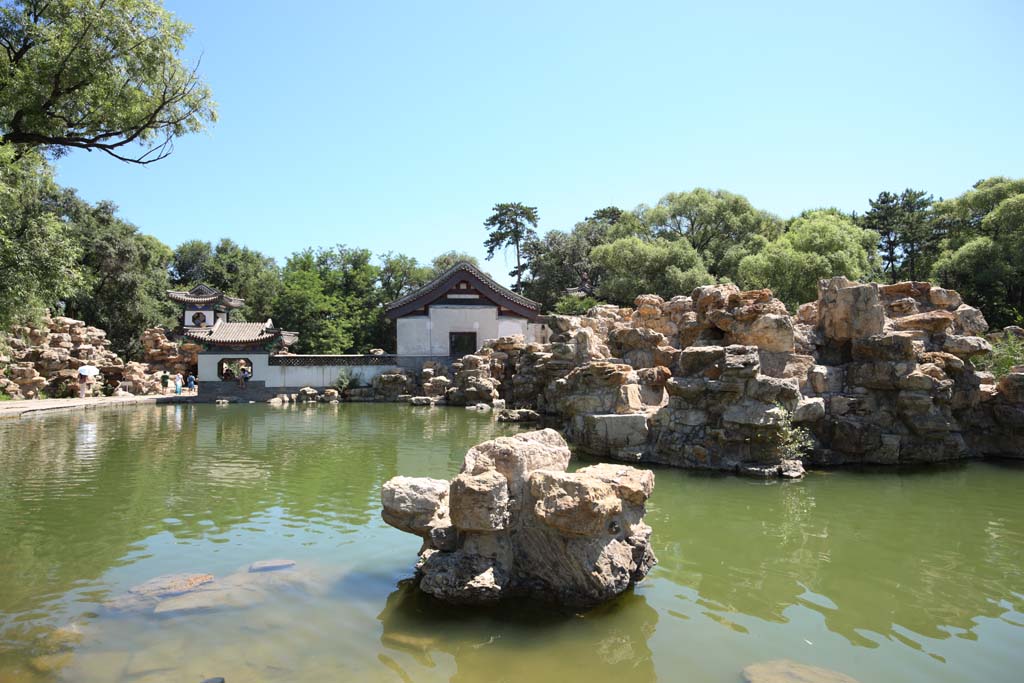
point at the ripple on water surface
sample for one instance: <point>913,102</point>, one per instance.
<point>885,577</point>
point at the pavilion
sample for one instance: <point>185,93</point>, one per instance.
<point>454,313</point>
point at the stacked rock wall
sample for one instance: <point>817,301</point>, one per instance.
<point>728,379</point>
<point>161,353</point>
<point>44,360</point>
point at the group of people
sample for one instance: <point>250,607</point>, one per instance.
<point>189,383</point>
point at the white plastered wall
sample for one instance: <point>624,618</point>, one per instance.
<point>427,335</point>
<point>317,376</point>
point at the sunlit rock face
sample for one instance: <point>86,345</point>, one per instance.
<point>515,523</point>
<point>727,379</point>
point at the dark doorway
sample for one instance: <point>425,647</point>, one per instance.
<point>461,343</point>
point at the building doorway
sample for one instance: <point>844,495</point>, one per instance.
<point>461,343</point>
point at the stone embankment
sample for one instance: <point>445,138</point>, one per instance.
<point>515,523</point>
<point>726,379</point>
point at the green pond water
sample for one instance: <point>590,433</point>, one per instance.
<point>893,576</point>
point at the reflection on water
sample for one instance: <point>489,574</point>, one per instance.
<point>909,576</point>
<point>608,643</point>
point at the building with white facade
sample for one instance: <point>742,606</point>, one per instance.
<point>453,315</point>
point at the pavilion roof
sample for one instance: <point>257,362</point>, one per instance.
<point>443,282</point>
<point>204,295</point>
<point>241,333</point>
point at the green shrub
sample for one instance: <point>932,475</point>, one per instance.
<point>1006,353</point>
<point>346,380</point>
<point>793,442</point>
<point>573,305</point>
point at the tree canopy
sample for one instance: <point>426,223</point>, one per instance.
<point>633,266</point>
<point>38,252</point>
<point>712,221</point>
<point>97,75</point>
<point>817,244</point>
<point>443,262</point>
<point>981,253</point>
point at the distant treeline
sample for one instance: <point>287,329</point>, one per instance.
<point>62,253</point>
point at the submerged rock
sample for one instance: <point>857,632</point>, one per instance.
<point>187,593</point>
<point>146,595</point>
<point>515,523</point>
<point>271,565</point>
<point>788,671</point>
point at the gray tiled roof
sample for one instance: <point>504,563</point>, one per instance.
<point>204,295</point>
<point>240,333</point>
<point>441,279</point>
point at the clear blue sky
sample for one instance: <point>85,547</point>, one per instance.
<point>397,125</point>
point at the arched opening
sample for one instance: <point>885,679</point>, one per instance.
<point>232,369</point>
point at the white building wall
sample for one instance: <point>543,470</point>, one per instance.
<point>316,376</point>
<point>446,319</point>
<point>427,335</point>
<point>413,336</point>
<point>320,376</point>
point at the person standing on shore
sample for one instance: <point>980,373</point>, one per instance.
<point>190,382</point>
<point>165,379</point>
<point>178,381</point>
<point>83,384</point>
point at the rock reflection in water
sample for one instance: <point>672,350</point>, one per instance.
<point>517,642</point>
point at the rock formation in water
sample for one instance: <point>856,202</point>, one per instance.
<point>727,379</point>
<point>515,523</point>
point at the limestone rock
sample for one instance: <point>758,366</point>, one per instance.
<point>518,415</point>
<point>787,671</point>
<point>479,502</point>
<point>415,504</point>
<point>849,310</point>
<point>521,526</point>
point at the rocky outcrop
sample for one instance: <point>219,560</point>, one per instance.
<point>45,359</point>
<point>515,523</point>
<point>161,353</point>
<point>389,386</point>
<point>727,379</point>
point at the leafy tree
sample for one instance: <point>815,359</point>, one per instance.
<point>711,220</point>
<point>38,253</point>
<point>443,262</point>
<point>818,244</point>
<point>981,273</point>
<point>400,275</point>
<point>190,263</point>
<point>982,248</point>
<point>330,297</point>
<point>511,225</point>
<point>561,261</point>
<point>97,75</point>
<point>633,266</point>
<point>125,275</point>
<point>233,269</point>
<point>905,234</point>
